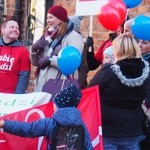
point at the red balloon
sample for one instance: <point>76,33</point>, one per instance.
<point>121,8</point>
<point>109,17</point>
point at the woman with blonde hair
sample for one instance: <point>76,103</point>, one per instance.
<point>58,34</point>
<point>123,87</point>
<point>125,47</point>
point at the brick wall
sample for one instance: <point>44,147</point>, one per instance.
<point>10,9</point>
<point>10,4</point>
<point>98,33</point>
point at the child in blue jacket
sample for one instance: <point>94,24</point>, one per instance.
<point>66,115</point>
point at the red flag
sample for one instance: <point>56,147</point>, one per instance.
<point>12,142</point>
<point>91,114</point>
<point>90,110</point>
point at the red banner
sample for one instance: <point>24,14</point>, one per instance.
<point>91,115</point>
<point>89,107</point>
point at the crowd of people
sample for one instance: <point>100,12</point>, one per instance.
<point>122,74</point>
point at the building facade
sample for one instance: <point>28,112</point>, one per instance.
<point>27,10</point>
<point>31,16</point>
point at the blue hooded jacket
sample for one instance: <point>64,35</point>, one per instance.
<point>46,126</point>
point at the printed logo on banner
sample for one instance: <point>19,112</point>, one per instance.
<point>10,103</point>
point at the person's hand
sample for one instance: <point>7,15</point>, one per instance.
<point>40,44</point>
<point>147,102</point>
<point>2,122</point>
<point>51,34</point>
<point>146,110</point>
<point>89,41</point>
<point>43,62</point>
<point>54,33</point>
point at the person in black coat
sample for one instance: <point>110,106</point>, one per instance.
<point>123,86</point>
<point>145,50</point>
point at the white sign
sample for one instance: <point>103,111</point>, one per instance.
<point>88,7</point>
<point>10,103</point>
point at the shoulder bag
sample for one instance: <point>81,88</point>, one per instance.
<point>53,86</point>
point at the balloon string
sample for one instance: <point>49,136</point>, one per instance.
<point>63,83</point>
<point>127,15</point>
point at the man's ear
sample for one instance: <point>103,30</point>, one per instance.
<point>2,29</point>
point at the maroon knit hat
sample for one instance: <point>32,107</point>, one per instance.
<point>59,12</point>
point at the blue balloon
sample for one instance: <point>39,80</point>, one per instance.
<point>132,3</point>
<point>69,59</point>
<point>141,27</point>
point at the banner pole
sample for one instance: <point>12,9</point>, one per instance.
<point>91,25</point>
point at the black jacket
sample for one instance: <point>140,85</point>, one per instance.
<point>123,86</point>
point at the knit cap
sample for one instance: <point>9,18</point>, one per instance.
<point>69,97</point>
<point>59,12</point>
<point>76,21</point>
<point>109,51</point>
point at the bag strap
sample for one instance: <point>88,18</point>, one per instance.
<point>58,76</point>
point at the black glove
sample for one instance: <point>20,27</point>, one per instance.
<point>91,60</point>
<point>89,41</point>
<point>43,62</point>
<point>40,44</point>
<point>112,36</point>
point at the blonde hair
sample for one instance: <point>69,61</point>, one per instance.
<point>125,47</point>
<point>128,23</point>
<point>62,29</point>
